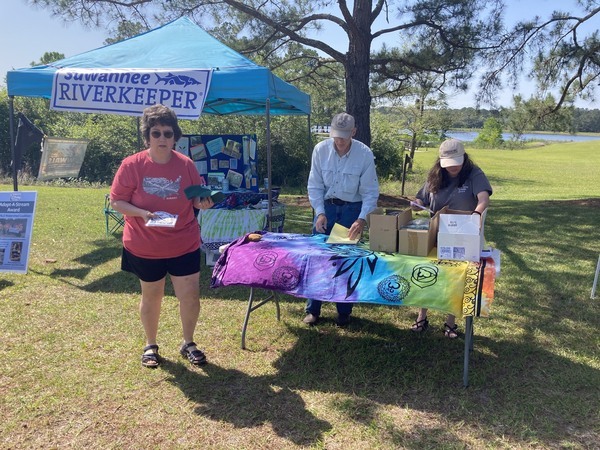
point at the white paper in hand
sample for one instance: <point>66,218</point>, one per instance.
<point>162,219</point>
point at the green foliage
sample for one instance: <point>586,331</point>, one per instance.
<point>538,114</point>
<point>586,120</point>
<point>387,147</point>
<point>113,137</point>
<point>518,120</point>
<point>126,29</point>
<point>48,57</point>
<point>491,134</point>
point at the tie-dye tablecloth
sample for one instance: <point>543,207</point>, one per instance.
<point>305,266</point>
<point>225,225</point>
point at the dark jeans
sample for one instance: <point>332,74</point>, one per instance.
<point>344,215</point>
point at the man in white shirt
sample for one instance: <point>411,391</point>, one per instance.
<point>342,188</point>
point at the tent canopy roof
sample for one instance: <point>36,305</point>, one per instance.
<point>238,86</point>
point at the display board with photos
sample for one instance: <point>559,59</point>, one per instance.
<point>223,157</point>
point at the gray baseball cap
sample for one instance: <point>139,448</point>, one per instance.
<point>342,126</point>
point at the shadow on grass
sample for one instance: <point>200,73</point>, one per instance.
<point>517,390</point>
<point>229,395</point>
<point>115,282</point>
<point>549,251</point>
<point>5,284</point>
<point>517,384</point>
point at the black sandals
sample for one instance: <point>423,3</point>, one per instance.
<point>451,332</point>
<point>420,325</point>
<point>151,360</point>
<point>196,357</point>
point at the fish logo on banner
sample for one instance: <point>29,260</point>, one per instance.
<point>130,91</point>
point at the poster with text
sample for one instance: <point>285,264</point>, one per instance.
<point>61,158</point>
<point>16,224</point>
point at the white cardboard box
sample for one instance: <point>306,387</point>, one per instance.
<point>463,247</point>
<point>460,235</point>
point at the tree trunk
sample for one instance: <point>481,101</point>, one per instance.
<point>413,147</point>
<point>358,101</point>
<point>358,95</point>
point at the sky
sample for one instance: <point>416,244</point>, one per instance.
<point>48,34</point>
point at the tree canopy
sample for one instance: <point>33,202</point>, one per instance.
<point>563,49</point>
<point>384,42</point>
<point>438,36</point>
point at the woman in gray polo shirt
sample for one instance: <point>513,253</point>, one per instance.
<point>454,181</point>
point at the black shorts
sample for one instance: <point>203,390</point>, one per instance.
<point>150,270</point>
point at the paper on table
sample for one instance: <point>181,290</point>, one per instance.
<point>339,235</point>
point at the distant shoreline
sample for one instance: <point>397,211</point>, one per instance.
<point>471,135</point>
<point>561,133</point>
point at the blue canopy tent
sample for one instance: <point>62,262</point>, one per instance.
<point>238,86</point>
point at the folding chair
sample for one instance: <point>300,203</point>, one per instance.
<point>114,219</point>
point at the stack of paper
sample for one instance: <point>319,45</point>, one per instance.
<point>339,235</point>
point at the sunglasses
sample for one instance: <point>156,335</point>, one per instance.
<point>157,134</point>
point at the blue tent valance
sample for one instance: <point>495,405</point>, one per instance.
<point>239,86</point>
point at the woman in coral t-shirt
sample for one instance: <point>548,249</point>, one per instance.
<point>147,184</point>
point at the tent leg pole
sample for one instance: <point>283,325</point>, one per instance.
<point>13,150</point>
<point>468,348</point>
<point>309,141</point>
<point>269,162</point>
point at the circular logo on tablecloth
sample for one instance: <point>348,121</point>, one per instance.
<point>424,275</point>
<point>265,260</point>
<point>394,288</point>
<point>286,278</point>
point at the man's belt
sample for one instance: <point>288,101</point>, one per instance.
<point>336,202</point>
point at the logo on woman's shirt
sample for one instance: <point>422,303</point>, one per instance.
<point>161,187</point>
<point>462,189</point>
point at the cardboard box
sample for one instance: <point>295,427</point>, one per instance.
<point>383,231</point>
<point>416,242</point>
<point>460,235</point>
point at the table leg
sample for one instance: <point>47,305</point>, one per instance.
<point>593,296</point>
<point>252,307</point>
<point>468,348</point>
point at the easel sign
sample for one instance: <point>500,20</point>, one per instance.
<point>16,224</point>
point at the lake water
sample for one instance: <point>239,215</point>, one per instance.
<point>469,136</point>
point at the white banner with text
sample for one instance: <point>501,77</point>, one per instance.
<point>130,91</point>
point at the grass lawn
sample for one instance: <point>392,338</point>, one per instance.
<point>70,340</point>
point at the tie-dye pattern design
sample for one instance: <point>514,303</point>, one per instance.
<point>304,266</point>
